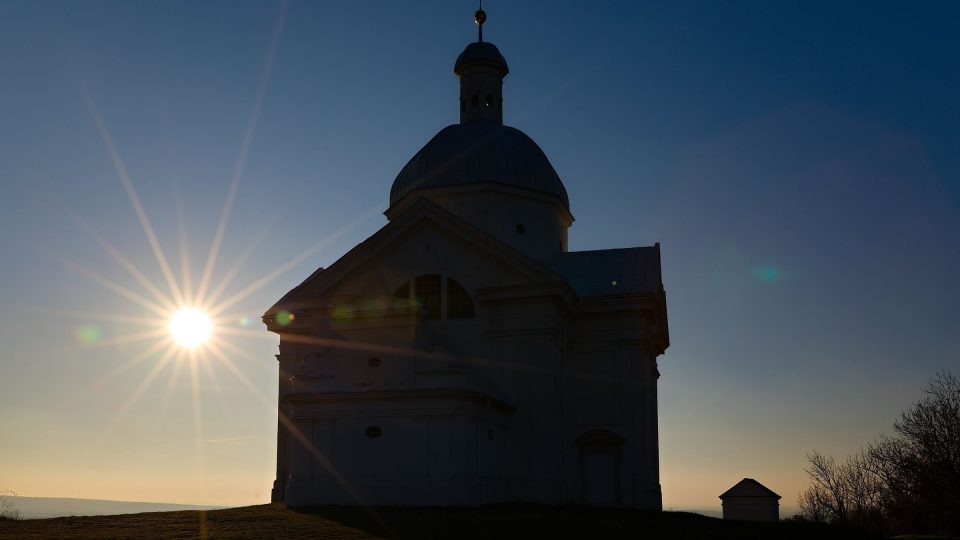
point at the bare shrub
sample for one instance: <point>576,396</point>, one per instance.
<point>7,509</point>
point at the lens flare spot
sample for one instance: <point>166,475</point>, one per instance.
<point>767,273</point>
<point>190,327</point>
<point>88,334</point>
<point>245,321</point>
<point>343,312</point>
<point>284,318</point>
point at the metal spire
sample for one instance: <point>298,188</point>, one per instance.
<point>481,17</point>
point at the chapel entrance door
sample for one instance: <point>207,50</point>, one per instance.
<point>600,467</point>
<point>600,478</point>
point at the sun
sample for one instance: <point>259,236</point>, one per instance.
<point>190,327</point>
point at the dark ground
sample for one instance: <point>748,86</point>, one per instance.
<point>276,521</point>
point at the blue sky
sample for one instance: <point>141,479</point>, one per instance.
<point>798,162</point>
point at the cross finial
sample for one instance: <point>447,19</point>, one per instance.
<point>481,17</point>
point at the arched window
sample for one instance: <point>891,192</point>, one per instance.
<point>428,295</point>
<point>403,291</point>
<point>438,297</point>
<point>474,101</point>
<point>489,101</point>
<point>459,305</point>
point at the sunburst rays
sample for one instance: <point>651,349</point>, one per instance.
<point>209,295</point>
<point>241,162</point>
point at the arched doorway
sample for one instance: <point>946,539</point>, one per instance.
<point>600,454</point>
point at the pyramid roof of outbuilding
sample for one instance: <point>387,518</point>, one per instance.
<point>748,487</point>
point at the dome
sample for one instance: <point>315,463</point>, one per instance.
<point>480,151</point>
<point>481,52</point>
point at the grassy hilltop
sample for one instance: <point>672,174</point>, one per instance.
<point>276,521</point>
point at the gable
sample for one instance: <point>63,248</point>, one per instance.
<point>425,239</point>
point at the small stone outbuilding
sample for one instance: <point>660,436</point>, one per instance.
<point>750,500</point>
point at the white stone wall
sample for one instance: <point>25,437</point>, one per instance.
<point>499,213</point>
<point>417,460</point>
<point>751,508</point>
<point>611,393</point>
<point>476,83</point>
<point>492,409</point>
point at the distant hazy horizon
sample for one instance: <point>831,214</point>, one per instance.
<point>50,507</point>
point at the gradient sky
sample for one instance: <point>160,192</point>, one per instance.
<point>798,162</point>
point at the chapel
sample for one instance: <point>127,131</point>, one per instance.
<point>462,355</point>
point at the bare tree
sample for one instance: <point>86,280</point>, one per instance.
<point>811,507</point>
<point>826,499</point>
<point>921,466</point>
<point>864,491</point>
<point>906,483</point>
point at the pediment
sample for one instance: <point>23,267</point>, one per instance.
<point>425,239</point>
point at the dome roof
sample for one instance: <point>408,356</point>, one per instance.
<point>481,52</point>
<point>479,151</point>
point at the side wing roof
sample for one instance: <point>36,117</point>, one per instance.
<point>609,272</point>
